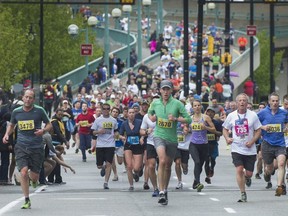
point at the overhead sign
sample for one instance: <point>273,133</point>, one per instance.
<point>251,30</point>
<point>86,49</point>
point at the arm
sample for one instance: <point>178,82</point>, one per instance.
<point>9,131</point>
<point>62,163</point>
<point>256,136</point>
<point>228,139</point>
<point>210,127</point>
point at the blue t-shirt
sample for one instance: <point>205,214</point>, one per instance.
<point>277,123</point>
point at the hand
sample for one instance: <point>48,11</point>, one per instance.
<point>101,131</point>
<point>65,169</point>
<point>5,139</point>
<point>248,144</point>
<point>67,145</point>
<point>142,140</point>
<point>149,130</point>
<point>72,170</point>
<point>39,132</point>
<point>229,141</point>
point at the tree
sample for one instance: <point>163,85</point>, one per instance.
<point>262,73</point>
<point>13,48</point>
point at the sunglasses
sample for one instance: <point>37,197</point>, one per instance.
<point>106,108</point>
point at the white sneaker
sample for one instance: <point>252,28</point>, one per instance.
<point>179,185</point>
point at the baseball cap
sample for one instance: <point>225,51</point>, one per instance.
<point>211,108</point>
<point>93,101</point>
<point>65,101</point>
<point>166,83</point>
<point>145,102</point>
<point>112,96</point>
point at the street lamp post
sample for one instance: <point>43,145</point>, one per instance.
<point>139,36</point>
<point>127,10</point>
<point>116,13</point>
<point>73,30</point>
<point>147,4</point>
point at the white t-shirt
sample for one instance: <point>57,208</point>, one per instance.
<point>227,90</point>
<point>133,88</point>
<point>242,127</point>
<point>146,124</point>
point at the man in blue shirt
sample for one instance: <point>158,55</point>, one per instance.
<point>274,123</point>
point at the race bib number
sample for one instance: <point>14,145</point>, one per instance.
<point>211,137</point>
<point>26,125</point>
<point>164,123</point>
<point>241,128</point>
<point>133,140</point>
<point>286,134</point>
<point>274,128</point>
<point>84,123</point>
<point>196,126</point>
<point>180,137</point>
<point>107,125</point>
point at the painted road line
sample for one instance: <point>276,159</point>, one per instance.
<point>230,210</point>
<point>214,199</point>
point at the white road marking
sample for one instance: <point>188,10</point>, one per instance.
<point>12,204</point>
<point>214,199</point>
<point>79,198</point>
<point>230,210</point>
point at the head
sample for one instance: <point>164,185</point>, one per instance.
<point>98,111</point>
<point>144,106</point>
<point>166,88</point>
<point>285,102</point>
<point>131,114</point>
<point>262,105</point>
<point>65,103</point>
<point>250,106</point>
<point>136,108</point>
<point>59,113</point>
<point>196,105</point>
<point>232,105</point>
<point>106,110</point>
<point>273,101</point>
<point>84,107</point>
<point>28,98</point>
<point>242,101</point>
<point>115,112</point>
<point>125,112</point>
<point>210,111</point>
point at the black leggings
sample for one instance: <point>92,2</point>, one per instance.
<point>199,154</point>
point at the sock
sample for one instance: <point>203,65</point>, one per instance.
<point>27,199</point>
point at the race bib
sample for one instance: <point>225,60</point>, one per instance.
<point>164,123</point>
<point>180,137</point>
<point>241,128</point>
<point>133,140</point>
<point>211,137</point>
<point>196,126</point>
<point>274,128</point>
<point>107,125</point>
<point>286,134</point>
<point>84,123</point>
<point>26,125</point>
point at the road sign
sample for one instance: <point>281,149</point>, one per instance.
<point>86,49</point>
<point>251,30</point>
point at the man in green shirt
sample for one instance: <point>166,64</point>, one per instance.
<point>166,112</point>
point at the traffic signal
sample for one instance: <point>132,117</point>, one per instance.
<point>127,2</point>
<point>226,59</point>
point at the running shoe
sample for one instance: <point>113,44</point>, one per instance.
<point>136,177</point>
<point>185,171</point>
<point>284,192</point>
<point>131,188</point>
<point>257,176</point>
<point>146,186</point>
<point>34,184</point>
<point>199,187</point>
<point>76,151</point>
<point>115,178</point>
<point>243,197</point>
<point>26,205</point>
<point>267,177</point>
<point>89,151</point>
<point>84,160</point>
<point>279,191</point>
<point>155,193</point>
<point>194,186</point>
<point>179,185</point>
<point>208,180</point>
<point>141,172</point>
<point>269,185</point>
<point>248,181</point>
<point>162,198</point>
<point>103,171</point>
<point>166,197</point>
<point>287,176</point>
<point>105,186</point>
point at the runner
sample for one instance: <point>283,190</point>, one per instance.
<point>29,149</point>
<point>166,112</point>
<point>106,129</point>
<point>133,150</point>
<point>201,123</point>
<point>275,124</point>
<point>213,139</point>
<point>245,127</point>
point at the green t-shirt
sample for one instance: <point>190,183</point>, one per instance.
<point>166,129</point>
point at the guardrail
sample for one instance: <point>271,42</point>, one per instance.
<point>79,74</point>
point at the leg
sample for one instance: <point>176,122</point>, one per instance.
<point>240,178</point>
<point>161,167</point>
<point>281,160</point>
<point>128,158</point>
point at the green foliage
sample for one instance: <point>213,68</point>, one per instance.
<point>262,74</point>
<point>61,52</point>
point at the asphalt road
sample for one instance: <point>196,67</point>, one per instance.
<point>83,195</point>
